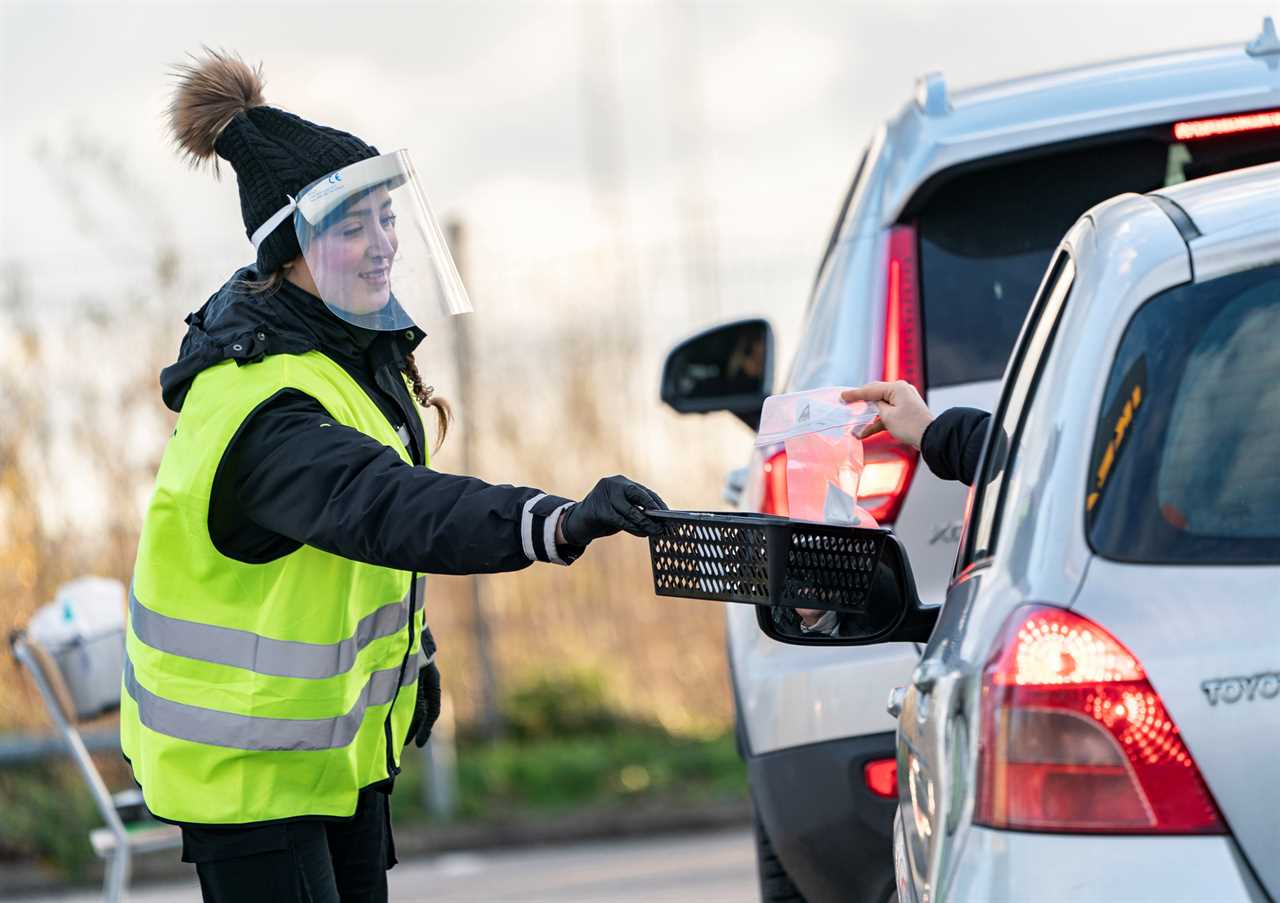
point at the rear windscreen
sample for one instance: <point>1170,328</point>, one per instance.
<point>1183,469</point>
<point>986,236</point>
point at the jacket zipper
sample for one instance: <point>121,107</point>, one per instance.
<point>392,770</point>
<point>378,377</point>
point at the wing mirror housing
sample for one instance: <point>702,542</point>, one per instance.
<point>725,368</point>
<point>893,612</point>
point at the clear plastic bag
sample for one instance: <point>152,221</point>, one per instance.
<point>824,454</point>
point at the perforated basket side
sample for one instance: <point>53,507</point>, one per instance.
<point>705,559</point>
<point>830,568</point>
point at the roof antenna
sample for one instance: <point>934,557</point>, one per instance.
<point>1266,42</point>
<point>931,94</point>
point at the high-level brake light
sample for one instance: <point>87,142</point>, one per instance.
<point>1226,125</point>
<point>1075,739</point>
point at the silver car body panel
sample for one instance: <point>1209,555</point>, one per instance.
<point>1008,867</point>
<point>786,700</point>
<point>1237,232</point>
<point>1186,625</point>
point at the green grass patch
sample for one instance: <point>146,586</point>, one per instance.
<point>46,814</point>
<point>556,775</point>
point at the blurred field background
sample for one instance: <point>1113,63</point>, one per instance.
<point>621,173</point>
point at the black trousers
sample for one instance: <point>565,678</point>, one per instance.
<point>321,861</point>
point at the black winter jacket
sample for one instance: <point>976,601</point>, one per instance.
<point>292,476</point>
<point>953,442</point>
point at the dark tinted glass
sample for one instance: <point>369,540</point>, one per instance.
<point>1184,468</point>
<point>986,236</point>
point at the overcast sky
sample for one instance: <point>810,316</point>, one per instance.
<point>551,127</point>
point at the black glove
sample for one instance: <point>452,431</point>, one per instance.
<point>427,708</point>
<point>615,504</point>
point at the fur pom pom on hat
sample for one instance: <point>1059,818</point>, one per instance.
<point>218,109</point>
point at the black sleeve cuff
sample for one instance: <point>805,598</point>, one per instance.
<point>538,529</point>
<point>952,443</point>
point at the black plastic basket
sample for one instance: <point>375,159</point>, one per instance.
<point>765,560</point>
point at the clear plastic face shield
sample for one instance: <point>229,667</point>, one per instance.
<point>376,253</point>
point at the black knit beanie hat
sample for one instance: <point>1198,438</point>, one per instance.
<point>218,109</point>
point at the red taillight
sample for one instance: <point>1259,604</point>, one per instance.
<point>1226,125</point>
<point>888,466</point>
<point>1075,739</point>
<point>774,500</point>
<point>902,346</point>
<point>887,469</point>
<point>881,776</point>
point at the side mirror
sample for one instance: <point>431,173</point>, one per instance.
<point>892,613</point>
<point>726,368</point>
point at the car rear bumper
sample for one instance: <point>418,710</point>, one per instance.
<point>1012,866</point>
<point>833,835</point>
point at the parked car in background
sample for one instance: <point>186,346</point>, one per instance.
<point>954,213</point>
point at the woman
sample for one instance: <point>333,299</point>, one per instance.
<point>278,658</point>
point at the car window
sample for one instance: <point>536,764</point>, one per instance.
<point>986,234</point>
<point>1183,465</point>
<point>1019,389</point>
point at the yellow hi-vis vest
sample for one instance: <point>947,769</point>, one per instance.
<point>255,692</point>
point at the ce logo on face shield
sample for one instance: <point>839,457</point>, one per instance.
<point>336,177</point>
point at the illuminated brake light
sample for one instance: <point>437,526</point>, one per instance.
<point>1075,739</point>
<point>881,777</point>
<point>888,466</point>
<point>902,349</point>
<point>1225,125</point>
<point>774,500</point>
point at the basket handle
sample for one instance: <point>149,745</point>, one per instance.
<point>51,673</point>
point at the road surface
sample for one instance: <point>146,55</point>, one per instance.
<point>706,868</point>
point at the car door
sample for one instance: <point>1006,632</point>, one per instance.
<point>934,783</point>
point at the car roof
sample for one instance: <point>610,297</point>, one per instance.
<point>1229,200</point>
<point>939,129</point>
<point>1131,247</point>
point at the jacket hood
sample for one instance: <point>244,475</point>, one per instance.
<point>235,324</point>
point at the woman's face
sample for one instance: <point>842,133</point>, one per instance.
<point>351,259</point>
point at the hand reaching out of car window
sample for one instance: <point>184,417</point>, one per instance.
<point>901,410</point>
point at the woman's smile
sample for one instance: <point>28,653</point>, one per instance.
<point>377,277</point>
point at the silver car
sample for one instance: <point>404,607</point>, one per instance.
<point>951,219</point>
<point>1097,713</point>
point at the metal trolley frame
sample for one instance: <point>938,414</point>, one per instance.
<point>129,829</point>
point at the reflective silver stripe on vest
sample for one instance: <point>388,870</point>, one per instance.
<point>214,728</point>
<point>244,649</point>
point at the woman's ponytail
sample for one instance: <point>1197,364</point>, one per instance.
<point>428,399</point>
